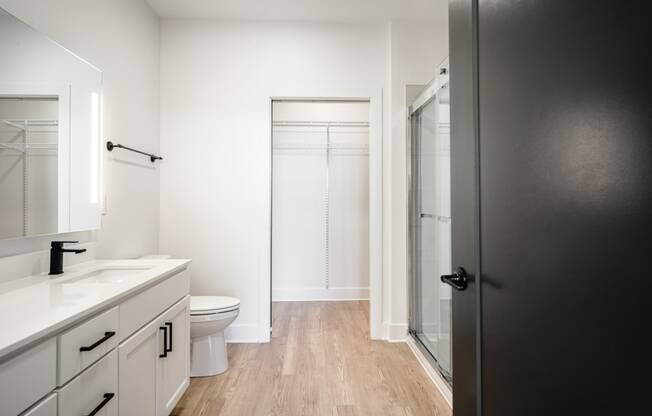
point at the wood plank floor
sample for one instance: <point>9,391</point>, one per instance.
<point>320,362</point>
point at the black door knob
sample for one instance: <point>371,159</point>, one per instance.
<point>457,280</point>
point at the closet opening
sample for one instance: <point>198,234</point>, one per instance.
<point>320,200</point>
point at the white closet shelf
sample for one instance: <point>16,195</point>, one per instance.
<point>24,147</point>
<point>320,124</point>
<point>23,124</point>
<point>322,147</point>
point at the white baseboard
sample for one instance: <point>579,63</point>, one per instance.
<point>319,294</point>
<point>393,332</point>
<point>242,334</point>
<point>396,332</point>
<point>434,375</point>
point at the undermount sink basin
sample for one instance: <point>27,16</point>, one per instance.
<point>107,275</point>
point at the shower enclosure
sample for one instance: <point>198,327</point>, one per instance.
<point>429,252</point>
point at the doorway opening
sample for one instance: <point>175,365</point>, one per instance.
<point>320,248</point>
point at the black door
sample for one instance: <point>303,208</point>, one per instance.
<point>559,172</point>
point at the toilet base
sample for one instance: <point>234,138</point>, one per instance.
<point>208,355</point>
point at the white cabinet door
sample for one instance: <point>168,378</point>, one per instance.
<point>174,369</point>
<point>138,362</point>
<point>155,364</point>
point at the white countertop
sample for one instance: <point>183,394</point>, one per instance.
<point>37,307</point>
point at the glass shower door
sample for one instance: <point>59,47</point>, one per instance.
<point>430,250</point>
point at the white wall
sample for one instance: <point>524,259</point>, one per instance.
<point>416,50</point>
<point>217,78</point>
<point>121,37</point>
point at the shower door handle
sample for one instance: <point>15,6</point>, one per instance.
<point>457,280</point>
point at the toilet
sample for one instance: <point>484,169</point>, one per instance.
<point>209,317</point>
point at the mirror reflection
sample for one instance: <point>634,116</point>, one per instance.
<point>50,103</point>
<point>28,165</point>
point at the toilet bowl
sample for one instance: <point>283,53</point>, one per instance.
<point>209,317</point>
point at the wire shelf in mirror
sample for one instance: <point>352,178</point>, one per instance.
<point>24,124</point>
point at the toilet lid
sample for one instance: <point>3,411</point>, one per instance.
<point>207,304</point>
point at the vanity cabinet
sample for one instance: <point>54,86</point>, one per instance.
<point>154,364</point>
<point>131,357</point>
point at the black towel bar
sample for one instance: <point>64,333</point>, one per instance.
<point>110,146</point>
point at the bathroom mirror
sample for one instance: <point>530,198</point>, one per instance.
<point>49,135</point>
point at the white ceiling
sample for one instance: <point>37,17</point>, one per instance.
<point>304,10</point>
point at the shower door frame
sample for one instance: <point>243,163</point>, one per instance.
<point>427,96</point>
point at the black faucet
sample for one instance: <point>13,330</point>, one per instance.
<point>56,255</point>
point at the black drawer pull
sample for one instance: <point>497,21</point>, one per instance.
<point>106,336</point>
<point>169,325</point>
<point>165,341</point>
<point>107,398</point>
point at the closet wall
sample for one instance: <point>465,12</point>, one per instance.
<point>320,201</point>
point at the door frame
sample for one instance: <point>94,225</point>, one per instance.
<point>374,97</point>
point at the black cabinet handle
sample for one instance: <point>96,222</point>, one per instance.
<point>457,280</point>
<point>165,341</point>
<point>107,398</point>
<point>106,336</point>
<point>169,325</point>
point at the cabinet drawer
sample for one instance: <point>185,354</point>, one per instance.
<point>86,343</point>
<point>27,377</point>
<point>95,388</point>
<point>142,308</point>
<point>48,407</point>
